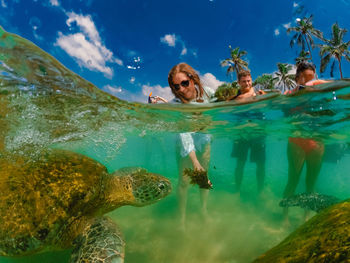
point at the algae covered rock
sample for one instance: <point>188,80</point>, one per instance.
<point>324,238</point>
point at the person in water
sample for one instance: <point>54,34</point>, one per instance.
<point>246,90</point>
<point>255,142</point>
<point>302,150</point>
<point>194,147</point>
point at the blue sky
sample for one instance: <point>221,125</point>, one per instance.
<point>127,47</point>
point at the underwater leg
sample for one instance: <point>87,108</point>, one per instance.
<point>296,159</point>
<point>313,164</point>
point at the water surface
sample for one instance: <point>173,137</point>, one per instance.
<point>43,105</point>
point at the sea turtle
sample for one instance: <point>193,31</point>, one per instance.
<point>57,200</point>
<point>324,238</point>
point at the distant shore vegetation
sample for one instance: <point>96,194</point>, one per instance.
<point>332,53</point>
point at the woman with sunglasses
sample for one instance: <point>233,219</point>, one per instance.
<point>194,147</point>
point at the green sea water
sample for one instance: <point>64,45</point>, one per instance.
<point>44,105</point>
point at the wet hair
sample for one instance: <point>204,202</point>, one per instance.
<point>243,73</point>
<point>302,66</point>
<point>192,74</point>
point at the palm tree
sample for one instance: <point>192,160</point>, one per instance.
<point>226,90</point>
<point>304,33</point>
<point>265,81</point>
<point>334,48</point>
<point>235,62</point>
<point>304,56</point>
<point>284,78</point>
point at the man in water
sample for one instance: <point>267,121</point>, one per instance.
<point>249,138</point>
<point>246,87</point>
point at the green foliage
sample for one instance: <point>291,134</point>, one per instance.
<point>226,90</point>
<point>266,81</point>
<point>304,56</point>
<point>304,34</point>
<point>334,48</point>
<point>284,78</point>
<point>235,62</point>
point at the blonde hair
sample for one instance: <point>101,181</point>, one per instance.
<point>192,74</point>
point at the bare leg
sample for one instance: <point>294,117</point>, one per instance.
<point>260,176</point>
<point>204,193</point>
<point>239,172</point>
<point>182,196</point>
<point>296,158</point>
<point>313,164</point>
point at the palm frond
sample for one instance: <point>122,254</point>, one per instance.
<point>324,62</point>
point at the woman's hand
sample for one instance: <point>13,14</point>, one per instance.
<point>197,166</point>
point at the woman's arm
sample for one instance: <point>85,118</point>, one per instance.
<point>188,148</point>
<point>161,99</point>
<point>196,164</point>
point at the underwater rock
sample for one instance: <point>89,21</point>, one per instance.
<point>324,238</point>
<point>57,201</point>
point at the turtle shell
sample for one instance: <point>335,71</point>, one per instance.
<point>40,196</point>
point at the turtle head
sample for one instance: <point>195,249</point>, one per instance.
<point>145,188</point>
<point>148,188</point>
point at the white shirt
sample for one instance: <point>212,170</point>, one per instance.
<point>192,141</point>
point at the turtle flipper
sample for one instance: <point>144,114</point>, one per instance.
<point>101,241</point>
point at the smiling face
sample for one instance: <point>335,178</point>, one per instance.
<point>183,86</point>
<point>246,83</point>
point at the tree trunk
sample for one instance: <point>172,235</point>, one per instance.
<point>237,70</point>
<point>341,73</point>
<point>308,45</point>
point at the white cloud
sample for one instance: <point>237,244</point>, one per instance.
<point>54,3</point>
<point>172,40</point>
<point>86,24</point>
<point>86,53</point>
<point>277,32</point>
<point>295,4</point>
<point>86,46</point>
<point>287,25</point>
<point>132,80</point>
<point>3,4</point>
<point>211,81</point>
<point>168,39</point>
<point>157,90</point>
<point>112,90</point>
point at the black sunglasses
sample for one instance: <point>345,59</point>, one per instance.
<point>184,83</point>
